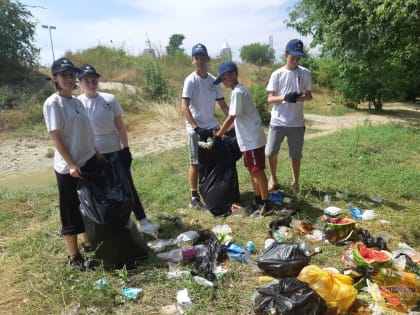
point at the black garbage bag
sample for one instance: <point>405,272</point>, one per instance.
<point>282,260</point>
<point>105,194</point>
<point>214,254</point>
<point>218,177</point>
<point>282,220</point>
<point>369,241</point>
<point>105,204</point>
<point>288,297</point>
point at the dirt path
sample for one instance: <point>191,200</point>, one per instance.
<point>27,154</point>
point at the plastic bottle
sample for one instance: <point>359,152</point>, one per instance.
<point>178,254</point>
<point>307,247</point>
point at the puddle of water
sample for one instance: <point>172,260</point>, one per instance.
<point>32,179</point>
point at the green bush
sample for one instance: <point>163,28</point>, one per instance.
<point>155,86</point>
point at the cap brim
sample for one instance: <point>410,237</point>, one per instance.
<point>218,80</point>
<point>74,69</point>
<point>297,53</point>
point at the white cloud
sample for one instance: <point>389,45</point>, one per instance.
<point>239,22</point>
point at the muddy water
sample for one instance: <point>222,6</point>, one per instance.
<point>31,179</point>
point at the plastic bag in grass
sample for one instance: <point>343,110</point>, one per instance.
<point>336,289</point>
<point>288,297</point>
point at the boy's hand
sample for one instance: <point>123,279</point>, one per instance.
<point>292,97</point>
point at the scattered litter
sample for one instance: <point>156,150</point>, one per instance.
<point>276,197</point>
<point>223,233</point>
<point>172,309</point>
<point>376,199</point>
<point>101,283</point>
<point>332,211</point>
<point>183,299</point>
<point>327,199</point>
<point>369,215</point>
<point>251,247</point>
<point>175,272</point>
<point>203,281</point>
<point>131,293</point>
<point>340,195</point>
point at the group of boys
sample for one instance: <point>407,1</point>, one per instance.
<point>288,87</point>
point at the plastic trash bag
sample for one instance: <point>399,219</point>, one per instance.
<point>105,205</point>
<point>336,289</point>
<point>218,177</point>
<point>282,260</point>
<point>105,194</point>
<point>214,254</point>
<point>369,241</point>
<point>288,297</point>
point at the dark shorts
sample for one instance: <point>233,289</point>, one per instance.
<point>254,159</point>
<point>71,219</point>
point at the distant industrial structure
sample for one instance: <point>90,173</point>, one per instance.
<point>149,50</point>
<point>226,52</point>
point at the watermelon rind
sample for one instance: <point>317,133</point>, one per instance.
<point>364,256</point>
<point>339,229</point>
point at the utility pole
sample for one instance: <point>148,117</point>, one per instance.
<point>50,27</point>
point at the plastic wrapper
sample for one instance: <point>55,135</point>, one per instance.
<point>288,297</point>
<point>282,260</point>
<point>213,254</point>
<point>400,290</point>
<point>336,289</point>
<point>370,241</point>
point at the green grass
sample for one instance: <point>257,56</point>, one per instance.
<point>381,161</point>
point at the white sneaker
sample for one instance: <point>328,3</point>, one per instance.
<point>148,227</point>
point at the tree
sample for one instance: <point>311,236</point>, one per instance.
<point>375,43</point>
<point>257,54</point>
<point>18,55</point>
<point>174,46</point>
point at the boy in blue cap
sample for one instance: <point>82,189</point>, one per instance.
<point>198,107</point>
<point>249,133</point>
<point>288,88</point>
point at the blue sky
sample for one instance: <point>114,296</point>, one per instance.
<point>126,23</point>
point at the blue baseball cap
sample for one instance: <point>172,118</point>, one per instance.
<point>199,50</point>
<point>295,47</point>
<point>227,66</point>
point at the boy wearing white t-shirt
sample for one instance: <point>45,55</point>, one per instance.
<point>288,88</point>
<point>249,132</point>
<point>198,107</point>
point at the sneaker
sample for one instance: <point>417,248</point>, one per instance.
<point>273,184</point>
<point>147,226</point>
<point>196,203</point>
<point>267,209</point>
<point>87,249</point>
<point>295,188</point>
<point>80,262</point>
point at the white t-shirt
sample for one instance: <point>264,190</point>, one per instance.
<point>69,116</point>
<point>102,111</point>
<point>249,131</point>
<point>283,81</point>
<point>203,95</point>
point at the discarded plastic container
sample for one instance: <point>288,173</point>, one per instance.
<point>203,281</point>
<point>251,247</point>
<point>131,293</point>
<point>101,283</point>
<point>181,254</point>
<point>327,199</point>
<point>242,257</point>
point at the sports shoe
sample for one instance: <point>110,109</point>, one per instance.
<point>196,203</point>
<point>295,188</point>
<point>80,262</point>
<point>267,209</point>
<point>273,184</point>
<point>148,227</point>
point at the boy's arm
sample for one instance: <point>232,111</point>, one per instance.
<point>223,106</point>
<point>185,103</point>
<point>274,98</point>
<point>226,126</point>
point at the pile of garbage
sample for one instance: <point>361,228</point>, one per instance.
<point>288,282</point>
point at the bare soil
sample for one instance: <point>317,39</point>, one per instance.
<point>26,154</point>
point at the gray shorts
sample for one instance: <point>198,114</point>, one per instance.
<point>193,148</point>
<point>294,135</point>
